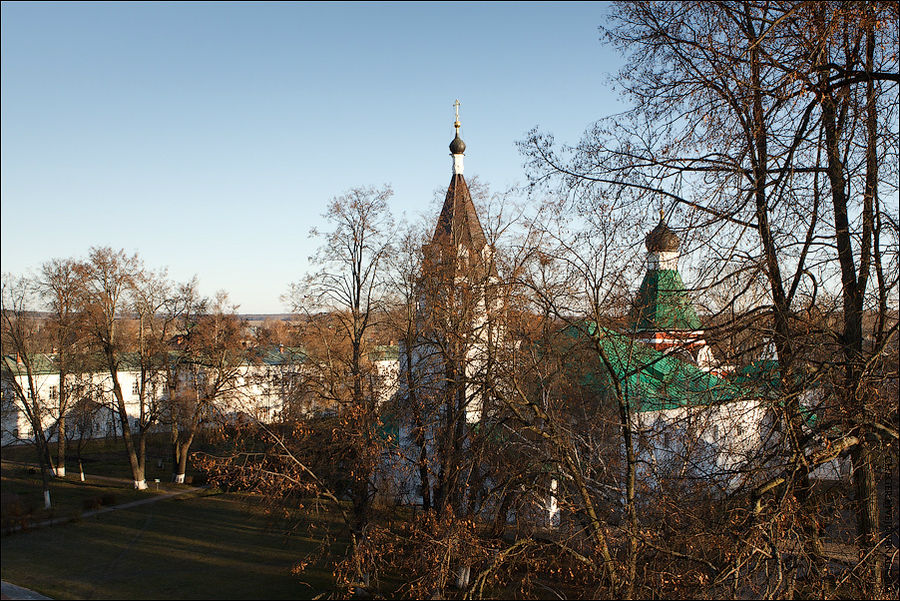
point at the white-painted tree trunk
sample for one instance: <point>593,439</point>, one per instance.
<point>179,479</point>
<point>140,484</point>
<point>46,499</point>
<point>553,505</point>
<point>61,472</point>
<point>462,577</point>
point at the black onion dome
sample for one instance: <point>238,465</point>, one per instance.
<point>457,146</point>
<point>662,239</point>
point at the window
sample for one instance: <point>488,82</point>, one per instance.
<point>54,393</point>
<point>136,388</point>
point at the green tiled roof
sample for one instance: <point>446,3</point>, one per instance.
<point>41,364</point>
<point>282,356</point>
<point>654,380</point>
<point>764,377</point>
<point>44,364</point>
<point>663,304</point>
<point>763,380</point>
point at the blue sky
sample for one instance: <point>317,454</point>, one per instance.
<point>209,137</point>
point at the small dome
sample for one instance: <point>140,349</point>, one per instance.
<point>662,239</point>
<point>457,146</point>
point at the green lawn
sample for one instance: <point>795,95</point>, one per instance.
<point>201,545</point>
<point>106,457</point>
<point>210,545</point>
<point>69,497</point>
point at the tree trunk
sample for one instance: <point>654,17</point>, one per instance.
<point>856,392</point>
<point>44,460</point>
<point>182,459</point>
<point>142,449</point>
<point>140,483</point>
<point>182,449</point>
<point>630,508</point>
<point>418,425</point>
<point>424,484</point>
<point>783,334</point>
<point>173,441</point>
<point>61,447</point>
<point>45,481</point>
<point>499,525</point>
<point>43,449</point>
<point>61,423</point>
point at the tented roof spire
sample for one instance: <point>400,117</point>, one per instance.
<point>458,223</point>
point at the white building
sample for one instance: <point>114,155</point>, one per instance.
<point>258,390</point>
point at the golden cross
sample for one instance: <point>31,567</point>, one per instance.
<point>456,106</point>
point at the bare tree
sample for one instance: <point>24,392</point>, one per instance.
<point>745,120</point>
<point>161,309</point>
<point>106,278</point>
<point>210,375</point>
<point>852,76</point>
<point>59,287</point>
<point>350,284</point>
<point>21,373</point>
<point>405,278</point>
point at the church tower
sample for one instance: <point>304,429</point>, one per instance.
<point>457,292</point>
<point>458,243</point>
<point>663,315</point>
<point>447,361</point>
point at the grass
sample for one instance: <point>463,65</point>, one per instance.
<point>106,457</point>
<point>198,546</point>
<point>211,545</point>
<point>69,497</point>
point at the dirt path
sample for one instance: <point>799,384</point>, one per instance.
<point>11,591</point>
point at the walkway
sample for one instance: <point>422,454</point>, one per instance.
<point>11,591</point>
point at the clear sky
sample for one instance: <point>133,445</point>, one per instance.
<point>208,137</point>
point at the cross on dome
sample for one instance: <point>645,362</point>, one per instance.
<point>457,146</point>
